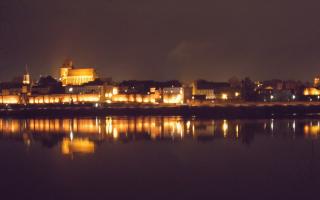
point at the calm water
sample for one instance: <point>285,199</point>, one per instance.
<point>159,158</point>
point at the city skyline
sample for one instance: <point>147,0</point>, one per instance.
<point>163,40</point>
<point>159,99</point>
<point>27,70</point>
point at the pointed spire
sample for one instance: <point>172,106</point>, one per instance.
<point>27,71</point>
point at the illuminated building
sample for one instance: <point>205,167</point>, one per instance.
<point>13,93</point>
<point>316,81</point>
<point>224,96</point>
<point>173,95</point>
<point>169,92</point>
<point>26,78</point>
<point>110,91</point>
<point>64,98</point>
<point>16,91</point>
<point>203,88</point>
<point>134,98</point>
<point>311,92</point>
<point>9,99</point>
<point>69,75</point>
<point>11,88</point>
<point>170,95</point>
<point>84,89</point>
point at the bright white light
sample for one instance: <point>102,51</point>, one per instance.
<point>71,89</point>
<point>224,96</point>
<point>294,125</point>
<point>71,135</point>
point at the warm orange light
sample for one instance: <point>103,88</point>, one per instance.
<point>311,91</point>
<point>77,146</point>
<point>225,128</point>
<point>224,96</point>
<point>9,99</point>
<point>312,130</point>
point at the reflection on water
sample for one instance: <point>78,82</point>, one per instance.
<point>70,146</point>
<point>80,135</point>
<point>159,158</point>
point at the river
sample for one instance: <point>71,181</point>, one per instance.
<point>159,158</point>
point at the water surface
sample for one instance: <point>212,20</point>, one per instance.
<point>159,158</point>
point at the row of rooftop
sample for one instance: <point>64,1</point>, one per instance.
<point>83,85</point>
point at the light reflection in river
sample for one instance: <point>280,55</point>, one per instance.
<point>79,135</point>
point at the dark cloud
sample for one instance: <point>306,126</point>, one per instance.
<point>167,39</point>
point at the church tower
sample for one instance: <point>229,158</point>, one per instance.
<point>26,77</point>
<point>64,70</point>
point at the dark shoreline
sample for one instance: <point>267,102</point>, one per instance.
<point>214,112</point>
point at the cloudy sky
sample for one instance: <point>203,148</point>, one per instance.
<point>163,39</point>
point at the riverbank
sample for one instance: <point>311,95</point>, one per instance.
<point>227,110</point>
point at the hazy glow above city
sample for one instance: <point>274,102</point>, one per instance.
<point>162,40</point>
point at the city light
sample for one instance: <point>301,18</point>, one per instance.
<point>224,96</point>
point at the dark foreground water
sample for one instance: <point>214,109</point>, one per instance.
<point>159,158</point>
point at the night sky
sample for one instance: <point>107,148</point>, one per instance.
<point>163,39</point>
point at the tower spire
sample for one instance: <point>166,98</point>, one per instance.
<point>26,76</point>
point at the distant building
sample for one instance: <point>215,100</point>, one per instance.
<point>26,78</point>
<point>187,93</point>
<point>63,98</point>
<point>69,75</point>
<point>47,85</point>
<point>11,88</point>
<point>205,90</point>
<point>311,92</point>
<point>133,91</point>
<point>173,95</point>
<point>279,90</point>
<point>104,89</point>
<point>93,87</point>
<point>316,81</point>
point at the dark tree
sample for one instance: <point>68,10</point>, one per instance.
<point>248,90</point>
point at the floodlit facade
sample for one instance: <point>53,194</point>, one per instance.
<point>9,99</point>
<point>173,95</point>
<point>316,81</point>
<point>134,98</point>
<point>201,88</point>
<point>26,79</point>
<point>64,98</point>
<point>311,92</point>
<point>69,75</point>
